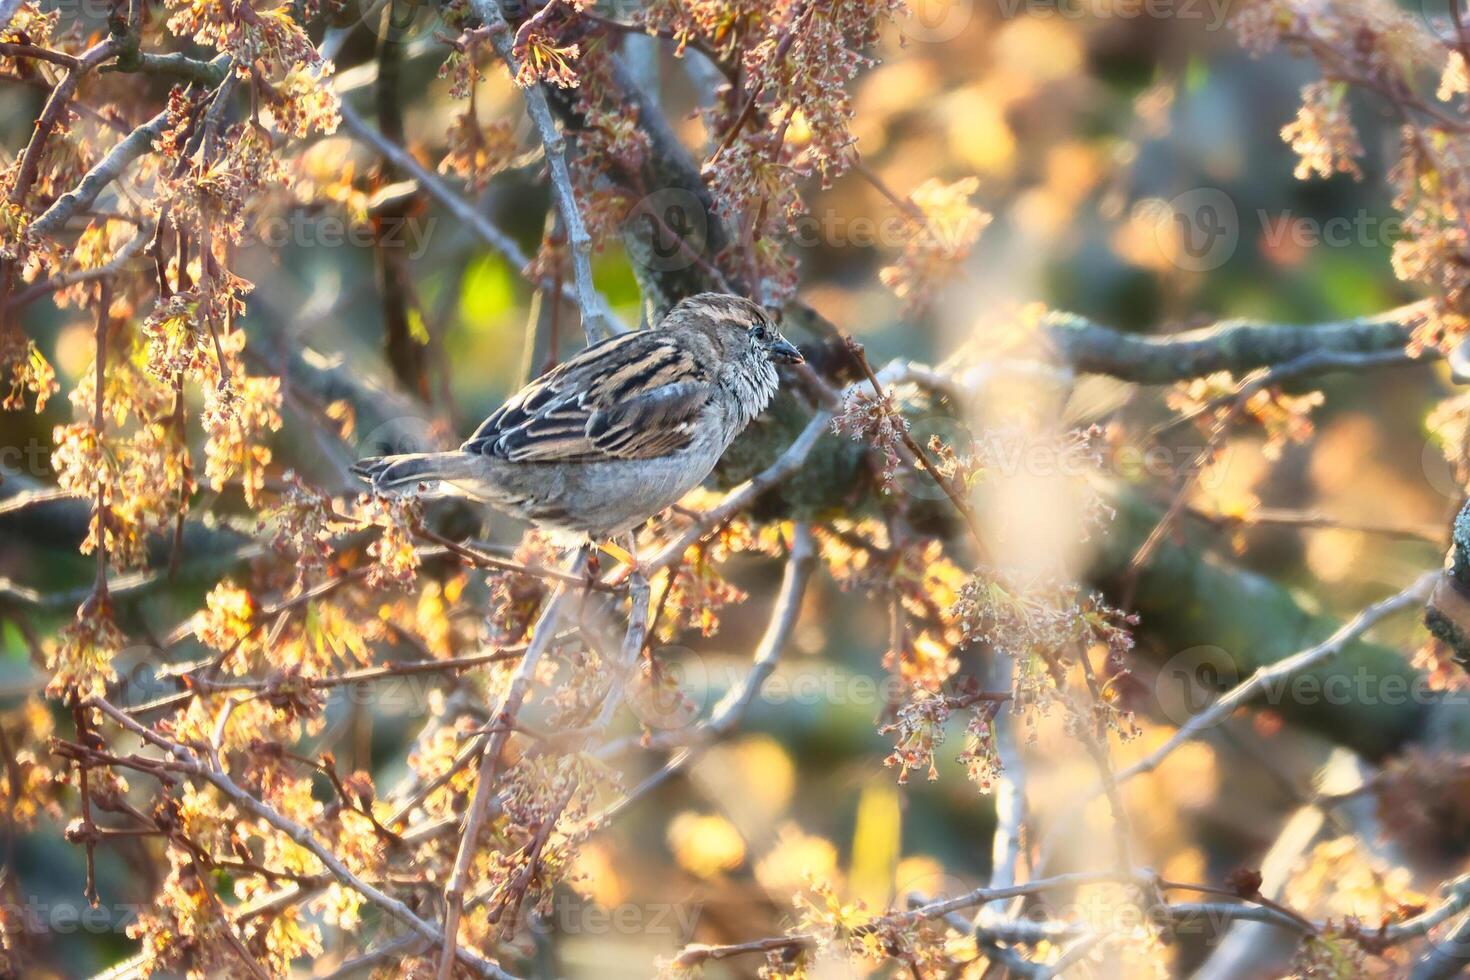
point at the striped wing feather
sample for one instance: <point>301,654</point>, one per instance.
<point>630,397</point>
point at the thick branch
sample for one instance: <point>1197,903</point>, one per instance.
<point>108,169</point>
<point>176,64</point>
<point>1236,346</point>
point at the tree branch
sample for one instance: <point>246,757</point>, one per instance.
<point>731,711</point>
<point>109,168</point>
<point>1236,346</point>
<point>503,719</point>
<point>596,321</point>
<point>1261,680</point>
<point>465,213</point>
<point>182,760</point>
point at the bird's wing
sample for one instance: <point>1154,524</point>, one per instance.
<point>630,397</point>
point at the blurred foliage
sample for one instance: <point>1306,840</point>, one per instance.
<point>1089,138</point>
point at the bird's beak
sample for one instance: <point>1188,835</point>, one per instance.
<point>785,352</point>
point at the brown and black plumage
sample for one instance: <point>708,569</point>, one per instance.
<point>625,428</point>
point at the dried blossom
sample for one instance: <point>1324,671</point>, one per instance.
<point>1323,133</point>
<point>981,756</point>
<point>920,729</point>
<point>23,369</point>
<point>477,153</point>
<point>301,526</point>
<point>235,418</point>
<point>1423,801</point>
<point>80,660</point>
<point>1214,399</point>
<point>228,617</point>
<point>544,59</point>
<point>395,558</point>
<point>851,929</point>
<point>878,422</point>
<point>942,229</point>
<point>1023,616</point>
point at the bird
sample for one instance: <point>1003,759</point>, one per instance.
<point>604,441</point>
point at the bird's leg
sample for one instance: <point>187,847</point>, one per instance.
<point>634,568</point>
<point>585,565</point>
<point>591,566</point>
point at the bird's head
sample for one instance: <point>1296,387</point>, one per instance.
<point>735,325</point>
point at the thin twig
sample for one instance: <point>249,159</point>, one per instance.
<point>731,711</point>
<point>596,321</point>
<point>919,453</point>
<point>183,761</point>
<point>504,718</point>
<point>1412,597</point>
<point>109,168</point>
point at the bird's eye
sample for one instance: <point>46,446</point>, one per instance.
<point>759,333</point>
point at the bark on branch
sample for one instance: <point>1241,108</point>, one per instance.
<point>1236,346</point>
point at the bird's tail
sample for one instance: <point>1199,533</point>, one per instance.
<point>410,471</point>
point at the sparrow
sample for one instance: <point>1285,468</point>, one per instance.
<point>604,441</point>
